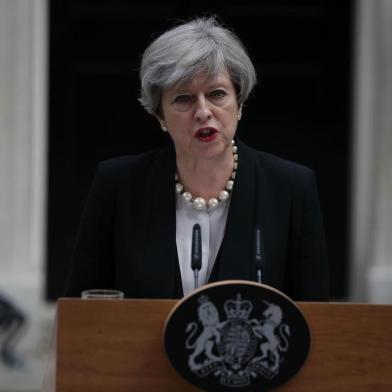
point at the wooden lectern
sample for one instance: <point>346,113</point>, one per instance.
<point>117,346</point>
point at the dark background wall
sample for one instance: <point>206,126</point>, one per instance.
<point>300,109</point>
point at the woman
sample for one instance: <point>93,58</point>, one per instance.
<point>136,229</point>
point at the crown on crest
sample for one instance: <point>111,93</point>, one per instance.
<point>203,299</point>
<point>238,308</point>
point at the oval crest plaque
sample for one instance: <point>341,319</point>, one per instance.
<point>234,334</point>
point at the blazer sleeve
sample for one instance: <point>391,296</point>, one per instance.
<point>92,263</point>
<point>308,278</point>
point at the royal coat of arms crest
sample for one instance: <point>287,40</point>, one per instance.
<point>238,348</point>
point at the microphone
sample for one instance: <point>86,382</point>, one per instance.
<point>196,253</point>
<point>259,248</point>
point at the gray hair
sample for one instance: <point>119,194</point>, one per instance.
<point>199,46</point>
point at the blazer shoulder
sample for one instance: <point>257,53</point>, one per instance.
<point>284,169</point>
<point>126,162</point>
<point>120,168</point>
<point>297,179</point>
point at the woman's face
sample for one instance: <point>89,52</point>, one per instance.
<point>201,116</point>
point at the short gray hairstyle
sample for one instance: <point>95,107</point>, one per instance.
<point>199,46</point>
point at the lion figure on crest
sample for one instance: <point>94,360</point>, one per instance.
<point>209,318</point>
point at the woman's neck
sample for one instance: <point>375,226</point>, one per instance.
<point>205,178</point>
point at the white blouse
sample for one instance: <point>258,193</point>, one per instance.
<point>212,223</point>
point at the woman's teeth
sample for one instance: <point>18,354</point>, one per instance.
<point>205,132</point>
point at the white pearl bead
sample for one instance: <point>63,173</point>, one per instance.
<point>212,203</point>
<point>229,185</point>
<point>223,195</point>
<point>187,196</point>
<point>179,187</point>
<point>199,203</point>
<point>232,142</point>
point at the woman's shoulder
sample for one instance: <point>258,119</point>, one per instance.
<point>126,161</point>
<point>123,165</point>
<point>277,166</point>
<point>117,172</point>
<point>284,167</point>
<point>283,175</point>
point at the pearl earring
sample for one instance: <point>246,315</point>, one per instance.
<point>239,113</point>
<point>164,128</point>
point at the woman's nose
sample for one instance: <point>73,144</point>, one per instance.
<point>202,110</point>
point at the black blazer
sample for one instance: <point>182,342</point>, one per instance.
<point>127,236</point>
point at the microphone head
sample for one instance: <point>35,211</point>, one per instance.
<point>196,247</point>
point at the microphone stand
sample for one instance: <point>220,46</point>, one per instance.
<point>196,277</point>
<point>259,246</point>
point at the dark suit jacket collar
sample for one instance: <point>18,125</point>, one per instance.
<point>160,254</point>
<point>236,256</point>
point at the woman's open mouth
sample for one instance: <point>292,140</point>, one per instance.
<point>206,134</point>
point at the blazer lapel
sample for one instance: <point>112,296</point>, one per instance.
<point>236,259</point>
<point>160,253</point>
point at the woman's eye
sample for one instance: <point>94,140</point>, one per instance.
<point>218,94</point>
<point>182,99</point>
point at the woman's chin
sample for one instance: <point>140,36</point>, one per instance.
<point>212,149</point>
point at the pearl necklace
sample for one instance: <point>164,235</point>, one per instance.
<point>199,203</point>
